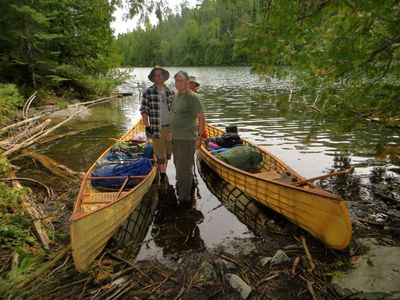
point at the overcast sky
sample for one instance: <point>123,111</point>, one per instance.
<point>121,26</point>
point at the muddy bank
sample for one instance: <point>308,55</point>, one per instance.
<point>241,268</point>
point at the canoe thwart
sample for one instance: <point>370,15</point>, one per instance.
<point>271,175</point>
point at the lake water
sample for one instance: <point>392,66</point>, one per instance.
<point>231,96</point>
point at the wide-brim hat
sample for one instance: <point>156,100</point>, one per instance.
<point>194,80</point>
<point>165,73</point>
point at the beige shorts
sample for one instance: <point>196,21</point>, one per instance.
<point>162,148</point>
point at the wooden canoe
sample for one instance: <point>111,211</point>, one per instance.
<point>314,209</point>
<point>97,213</point>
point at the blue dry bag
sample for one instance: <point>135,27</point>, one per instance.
<point>140,167</point>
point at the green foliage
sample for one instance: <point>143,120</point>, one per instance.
<point>43,37</point>
<point>346,53</point>
<point>26,260</point>
<point>14,229</point>
<point>4,164</point>
<point>344,56</point>
<point>10,101</point>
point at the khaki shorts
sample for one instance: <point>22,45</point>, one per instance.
<point>162,148</point>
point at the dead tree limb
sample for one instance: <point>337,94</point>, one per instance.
<point>27,104</point>
<point>8,143</point>
<point>36,218</point>
<point>37,137</point>
<point>52,165</point>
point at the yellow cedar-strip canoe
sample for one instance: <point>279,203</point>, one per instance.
<point>314,209</point>
<point>97,213</point>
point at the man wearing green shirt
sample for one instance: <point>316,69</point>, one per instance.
<point>187,126</point>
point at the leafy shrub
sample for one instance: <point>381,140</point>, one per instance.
<point>10,100</point>
<point>4,164</point>
<point>85,86</point>
<point>14,229</point>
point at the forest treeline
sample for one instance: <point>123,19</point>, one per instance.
<point>203,36</point>
<point>343,55</point>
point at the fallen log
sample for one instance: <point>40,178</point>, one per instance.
<point>89,103</point>
<point>50,164</point>
<point>44,113</point>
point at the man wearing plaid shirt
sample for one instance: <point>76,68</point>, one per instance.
<point>155,110</point>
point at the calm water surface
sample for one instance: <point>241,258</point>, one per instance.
<point>231,95</point>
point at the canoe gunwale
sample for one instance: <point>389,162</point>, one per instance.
<point>319,212</point>
<point>264,152</point>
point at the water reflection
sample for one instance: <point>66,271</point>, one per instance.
<point>346,186</point>
<point>175,230</point>
<point>247,210</point>
<point>129,236</point>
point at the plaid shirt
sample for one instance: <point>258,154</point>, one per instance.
<point>151,105</point>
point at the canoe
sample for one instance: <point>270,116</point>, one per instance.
<point>321,213</point>
<point>97,213</point>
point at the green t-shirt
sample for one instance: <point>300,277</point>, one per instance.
<point>184,110</point>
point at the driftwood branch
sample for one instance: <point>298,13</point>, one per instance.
<point>36,217</point>
<point>27,132</point>
<point>89,103</point>
<point>19,124</point>
<point>48,190</point>
<point>47,112</point>
<point>52,165</point>
<point>308,254</point>
<point>27,104</point>
<point>37,137</point>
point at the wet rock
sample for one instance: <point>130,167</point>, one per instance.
<point>223,265</point>
<point>375,275</point>
<point>239,284</point>
<point>279,257</point>
<point>248,248</point>
<point>84,112</point>
<point>206,271</point>
<point>265,260</point>
<point>240,247</point>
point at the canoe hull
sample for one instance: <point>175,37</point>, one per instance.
<point>97,214</point>
<point>319,212</point>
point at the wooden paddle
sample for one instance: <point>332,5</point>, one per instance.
<point>304,181</point>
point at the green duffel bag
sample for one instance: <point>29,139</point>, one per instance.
<point>243,157</point>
